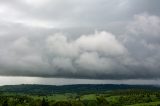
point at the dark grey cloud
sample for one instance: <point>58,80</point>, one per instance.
<point>99,39</point>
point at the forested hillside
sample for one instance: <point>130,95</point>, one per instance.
<point>47,89</point>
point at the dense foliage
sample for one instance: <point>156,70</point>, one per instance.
<point>47,89</point>
<point>79,95</point>
<point>112,98</point>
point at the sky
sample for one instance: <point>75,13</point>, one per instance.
<point>78,41</point>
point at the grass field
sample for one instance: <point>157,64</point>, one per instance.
<point>147,104</point>
<point>93,97</point>
<point>113,98</point>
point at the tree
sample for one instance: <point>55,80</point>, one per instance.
<point>44,102</point>
<point>62,103</point>
<point>102,101</point>
<point>92,103</point>
<point>5,103</point>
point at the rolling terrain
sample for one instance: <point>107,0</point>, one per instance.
<point>80,95</point>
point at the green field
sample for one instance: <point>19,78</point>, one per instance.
<point>79,95</point>
<point>113,98</point>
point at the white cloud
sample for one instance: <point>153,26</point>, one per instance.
<point>55,38</point>
<point>103,42</point>
<point>36,3</point>
<point>59,45</point>
<point>58,55</point>
<point>145,25</point>
<point>93,62</point>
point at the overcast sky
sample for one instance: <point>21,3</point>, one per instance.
<point>97,40</point>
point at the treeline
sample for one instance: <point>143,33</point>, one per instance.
<point>25,101</point>
<point>100,101</point>
<point>82,88</point>
<point>135,92</point>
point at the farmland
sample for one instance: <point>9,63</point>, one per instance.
<point>80,96</point>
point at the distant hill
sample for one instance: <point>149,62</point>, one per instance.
<point>48,89</point>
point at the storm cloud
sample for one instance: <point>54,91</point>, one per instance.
<point>80,39</point>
